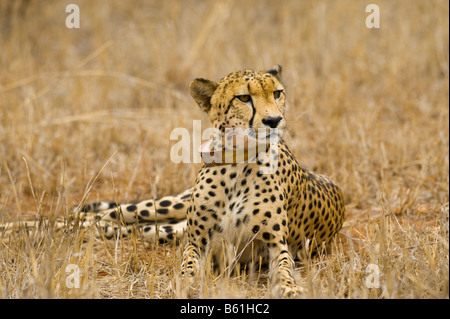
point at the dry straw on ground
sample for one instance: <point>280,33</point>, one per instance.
<point>367,107</point>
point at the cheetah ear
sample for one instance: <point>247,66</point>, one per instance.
<point>202,90</point>
<point>276,71</point>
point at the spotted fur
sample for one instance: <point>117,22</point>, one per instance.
<point>277,217</point>
<point>235,213</point>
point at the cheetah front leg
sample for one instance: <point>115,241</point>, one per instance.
<point>281,272</point>
<point>190,265</point>
<point>273,231</point>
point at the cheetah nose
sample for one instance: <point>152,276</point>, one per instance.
<point>272,121</point>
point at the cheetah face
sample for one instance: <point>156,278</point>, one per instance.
<point>244,99</point>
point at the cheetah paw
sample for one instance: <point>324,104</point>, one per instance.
<point>289,292</point>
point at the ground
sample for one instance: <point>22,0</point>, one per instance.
<point>87,113</point>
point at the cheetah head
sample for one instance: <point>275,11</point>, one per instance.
<point>243,99</point>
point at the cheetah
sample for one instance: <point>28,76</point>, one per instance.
<point>288,214</point>
<point>236,208</point>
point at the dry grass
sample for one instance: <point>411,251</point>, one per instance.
<point>369,108</point>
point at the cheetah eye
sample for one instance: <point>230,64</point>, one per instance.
<point>277,94</point>
<point>244,98</point>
